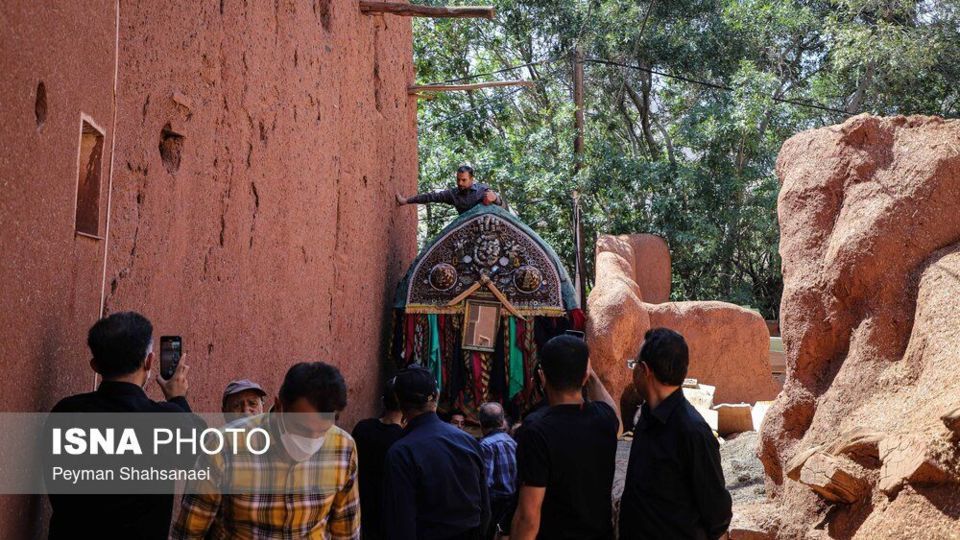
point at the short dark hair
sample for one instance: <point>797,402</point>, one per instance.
<point>564,362</point>
<point>665,352</point>
<point>321,384</point>
<point>120,343</point>
<point>466,169</point>
<point>491,415</point>
<point>390,402</point>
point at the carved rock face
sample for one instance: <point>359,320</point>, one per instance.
<point>443,276</point>
<point>870,243</point>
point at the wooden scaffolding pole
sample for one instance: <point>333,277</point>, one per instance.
<point>578,280</point>
<point>418,88</point>
<point>408,10</point>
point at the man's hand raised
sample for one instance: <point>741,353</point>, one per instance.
<point>175,386</point>
<point>489,197</point>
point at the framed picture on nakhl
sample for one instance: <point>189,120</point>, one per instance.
<point>481,322</point>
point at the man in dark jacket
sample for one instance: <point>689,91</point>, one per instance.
<point>674,486</point>
<point>122,347</point>
<point>465,196</point>
<point>435,487</point>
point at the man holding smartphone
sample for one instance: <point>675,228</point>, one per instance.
<point>122,348</point>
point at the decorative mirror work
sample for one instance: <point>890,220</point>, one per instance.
<point>487,245</point>
<point>477,304</point>
<point>443,276</point>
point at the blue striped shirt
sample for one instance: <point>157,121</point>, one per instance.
<point>499,453</point>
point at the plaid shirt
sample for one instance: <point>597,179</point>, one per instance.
<point>273,496</point>
<point>499,453</point>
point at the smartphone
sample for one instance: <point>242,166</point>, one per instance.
<point>171,348</point>
<point>576,333</point>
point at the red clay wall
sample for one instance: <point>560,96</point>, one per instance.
<point>273,240</point>
<point>277,239</point>
<point>51,278</point>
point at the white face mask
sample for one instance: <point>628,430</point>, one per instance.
<point>298,447</point>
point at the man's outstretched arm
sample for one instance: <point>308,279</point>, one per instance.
<point>443,196</point>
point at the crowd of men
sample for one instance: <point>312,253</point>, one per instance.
<point>409,474</point>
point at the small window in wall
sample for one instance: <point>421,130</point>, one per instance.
<point>88,178</point>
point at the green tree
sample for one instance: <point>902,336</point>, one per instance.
<point>687,105</point>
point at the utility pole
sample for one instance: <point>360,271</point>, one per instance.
<point>578,280</point>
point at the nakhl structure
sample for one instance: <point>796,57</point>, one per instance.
<point>476,305</point>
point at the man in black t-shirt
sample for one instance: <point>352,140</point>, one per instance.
<point>374,436</point>
<point>566,452</point>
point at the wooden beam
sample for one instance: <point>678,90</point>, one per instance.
<point>418,88</point>
<point>408,10</point>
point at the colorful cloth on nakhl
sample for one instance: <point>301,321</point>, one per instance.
<point>433,359</point>
<point>409,331</point>
<point>497,386</point>
<point>467,378</point>
<point>516,373</point>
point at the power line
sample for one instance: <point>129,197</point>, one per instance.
<point>504,70</point>
<point>446,119</point>
<point>715,85</point>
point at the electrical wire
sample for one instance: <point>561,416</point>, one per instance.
<point>503,70</point>
<point>718,86</point>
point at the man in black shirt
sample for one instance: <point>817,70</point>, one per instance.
<point>465,196</point>
<point>674,486</point>
<point>435,486</point>
<point>374,436</point>
<point>566,452</point>
<point>122,347</point>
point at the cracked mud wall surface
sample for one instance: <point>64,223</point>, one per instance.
<point>260,147</point>
<point>870,243</point>
<point>51,277</point>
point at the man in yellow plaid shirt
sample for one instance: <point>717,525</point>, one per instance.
<point>303,486</point>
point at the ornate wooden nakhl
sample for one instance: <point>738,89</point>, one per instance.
<point>476,305</point>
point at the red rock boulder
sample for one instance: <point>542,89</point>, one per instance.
<point>729,345</point>
<point>869,216</point>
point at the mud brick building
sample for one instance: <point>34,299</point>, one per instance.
<point>227,168</point>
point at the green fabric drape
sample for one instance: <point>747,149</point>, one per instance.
<point>435,364</point>
<point>515,356</point>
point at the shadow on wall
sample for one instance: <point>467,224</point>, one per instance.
<point>729,345</point>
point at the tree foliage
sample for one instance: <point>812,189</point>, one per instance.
<point>666,153</point>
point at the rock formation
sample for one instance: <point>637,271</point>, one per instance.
<point>729,345</point>
<point>861,441</point>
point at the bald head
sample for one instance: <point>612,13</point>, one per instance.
<point>491,416</point>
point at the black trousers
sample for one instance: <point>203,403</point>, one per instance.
<point>472,534</point>
<point>501,514</point>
